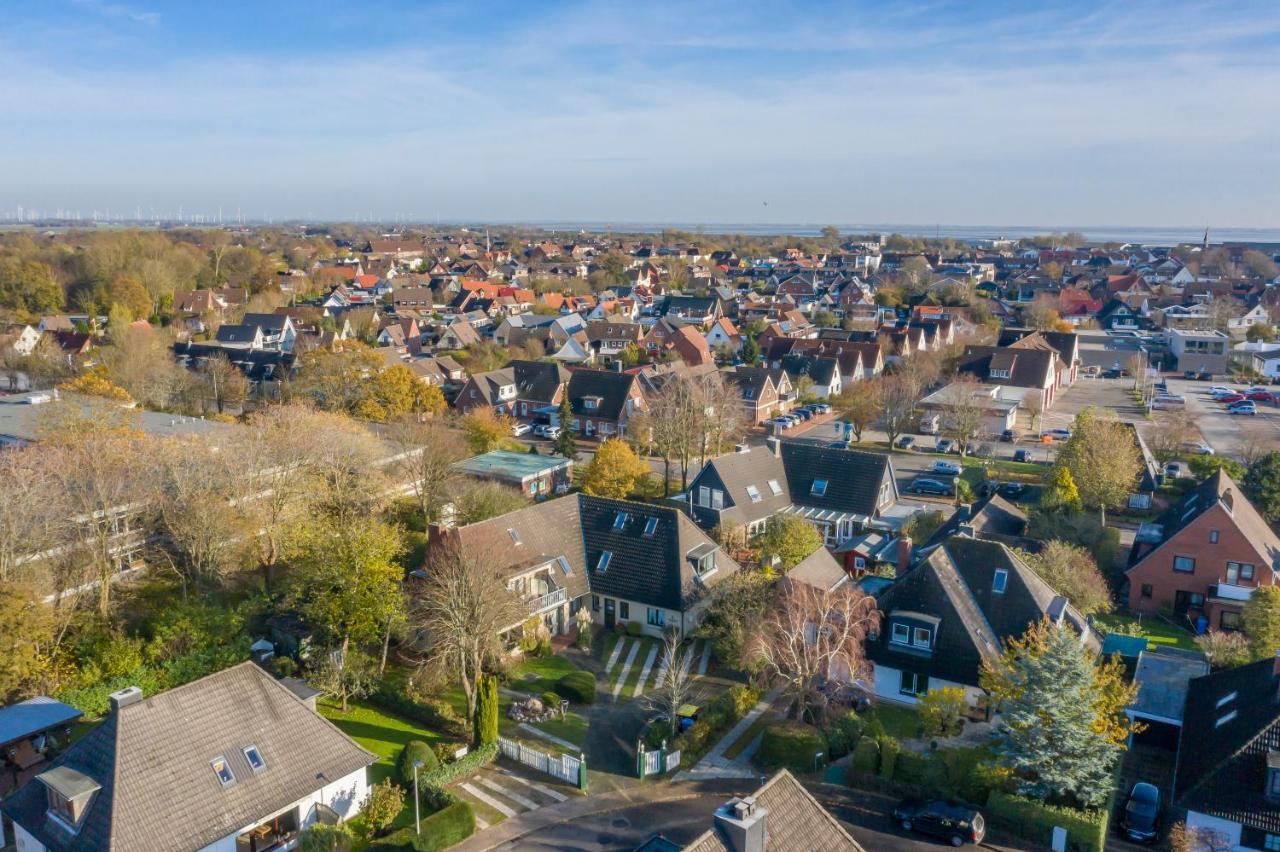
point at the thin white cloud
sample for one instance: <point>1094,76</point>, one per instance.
<point>119,10</point>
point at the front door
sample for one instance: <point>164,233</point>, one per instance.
<point>608,613</point>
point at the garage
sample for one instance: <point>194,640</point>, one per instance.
<point>1162,677</point>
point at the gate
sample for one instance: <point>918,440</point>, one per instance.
<point>566,767</point>
<point>656,762</point>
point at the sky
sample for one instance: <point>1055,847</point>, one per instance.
<point>1048,113</point>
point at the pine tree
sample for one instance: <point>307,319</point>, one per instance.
<point>485,726</point>
<point>565,444</point>
<point>1261,618</point>
<point>1062,716</point>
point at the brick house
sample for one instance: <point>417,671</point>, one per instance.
<point>602,402</point>
<point>1204,557</point>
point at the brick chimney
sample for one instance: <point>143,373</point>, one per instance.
<point>904,556</point>
<point>774,445</point>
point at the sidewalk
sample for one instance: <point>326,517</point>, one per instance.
<point>715,764</point>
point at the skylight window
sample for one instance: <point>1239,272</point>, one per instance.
<point>1226,699</point>
<point>620,520</point>
<point>603,564</point>
<point>819,487</point>
<point>515,536</point>
<point>220,768</point>
<point>753,493</point>
<point>1000,581</point>
<point>1224,719</point>
<point>775,487</point>
<point>650,526</point>
<point>564,565</point>
<point>251,754</point>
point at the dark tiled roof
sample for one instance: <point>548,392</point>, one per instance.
<point>1029,368</point>
<point>612,389</point>
<point>152,762</point>
<point>853,477</point>
<point>1222,768</point>
<point>754,468</point>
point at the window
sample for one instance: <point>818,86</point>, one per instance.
<point>1272,841</point>
<point>1147,590</point>
<point>251,754</point>
<point>624,610</point>
<point>602,564</point>
<point>1213,536</point>
<point>1239,572</point>
<point>564,565</point>
<point>1000,581</point>
<point>595,603</point>
<point>1185,564</point>
<point>717,498</point>
<point>1226,699</point>
<point>515,536</point>
<point>921,637</point>
<point>1229,620</point>
<point>1224,719</point>
<point>774,487</point>
<point>619,520</point>
<point>913,684</point>
<point>589,403</point>
<point>859,562</point>
<point>999,374</point>
<point>754,494</point>
<point>650,526</point>
<point>220,768</point>
<point>656,617</point>
<point>704,496</point>
<point>901,634</point>
<point>819,487</point>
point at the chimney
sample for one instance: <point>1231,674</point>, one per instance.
<point>904,556</point>
<point>124,697</point>
<point>744,825</point>
<point>774,445</point>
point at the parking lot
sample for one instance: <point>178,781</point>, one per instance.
<point>1228,434</point>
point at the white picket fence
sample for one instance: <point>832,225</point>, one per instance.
<point>564,766</point>
<point>658,761</point>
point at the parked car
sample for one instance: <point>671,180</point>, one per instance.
<point>1200,448</point>
<point>906,442</point>
<point>1176,469</point>
<point>1260,396</point>
<point>1245,407</point>
<point>519,429</point>
<point>1008,436</point>
<point>929,424</point>
<point>1218,389</point>
<point>931,486</point>
<point>1022,455</point>
<point>1141,818</point>
<point>949,468</point>
<point>1093,370</point>
<point>1012,489</point>
<point>1204,376</point>
<point>1230,398</point>
<point>545,430</point>
<point>946,445</point>
<point>1056,434</point>
<point>953,821</point>
<point>821,408</point>
<point>802,413</point>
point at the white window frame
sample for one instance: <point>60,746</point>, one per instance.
<point>717,498</point>
<point>602,564</point>
<point>775,488</point>
<point>903,638</point>
<point>754,494</point>
<point>1000,581</point>
<point>704,496</point>
<point>817,491</point>
<point>915,637</point>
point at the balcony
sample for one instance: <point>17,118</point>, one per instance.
<point>551,599</point>
<point>1230,593</point>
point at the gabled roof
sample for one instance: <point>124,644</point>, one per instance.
<point>853,477</point>
<point>737,472</point>
<point>151,760</point>
<point>794,819</point>
<point>612,390</point>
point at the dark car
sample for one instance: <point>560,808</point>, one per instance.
<point>931,486</point>
<point>955,822</point>
<point>1012,489</point>
<point>1022,455</point>
<point>1141,818</point>
<point>1008,436</point>
<point>906,442</point>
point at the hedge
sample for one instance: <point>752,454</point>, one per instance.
<point>433,714</point>
<point>415,751</point>
<point>1034,821</point>
<point>441,830</point>
<point>450,772</point>
<point>866,757</point>
<point>713,722</point>
<point>635,628</point>
<point>843,734</point>
<point>579,687</point>
<point>889,750</point>
<point>792,746</point>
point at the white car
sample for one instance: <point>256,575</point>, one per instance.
<point>1219,390</point>
<point>1056,434</point>
<point>1200,448</point>
<point>547,431</point>
<point>948,468</point>
<point>520,429</point>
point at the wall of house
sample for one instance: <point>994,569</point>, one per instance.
<point>24,842</point>
<point>1229,830</point>
<point>638,613</point>
<point>887,679</point>
<point>346,795</point>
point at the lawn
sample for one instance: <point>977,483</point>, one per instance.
<point>900,722</point>
<point>1156,630</point>
<point>375,729</point>
<point>536,675</point>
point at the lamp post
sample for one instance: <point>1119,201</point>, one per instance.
<point>417,822</point>
<point>817,756</point>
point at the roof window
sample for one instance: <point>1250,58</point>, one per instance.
<point>602,564</point>
<point>775,487</point>
<point>753,493</point>
<point>819,487</point>
<point>650,526</point>
<point>620,520</point>
<point>221,769</point>
<point>1000,581</point>
<point>254,757</point>
<point>515,536</point>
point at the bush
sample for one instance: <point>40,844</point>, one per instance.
<point>1105,550</point>
<point>843,734</point>
<point>889,750</point>
<point>441,830</point>
<point>419,752</point>
<point>742,700</point>
<point>791,746</point>
<point>432,713</point>
<point>635,628</point>
<point>912,770</point>
<point>941,710</point>
<point>550,700</point>
<point>866,757</point>
<point>579,687</point>
<point>450,772</point>
<point>325,838</point>
<point>444,751</point>
<point>1034,821</point>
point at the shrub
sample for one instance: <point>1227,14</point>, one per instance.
<point>635,628</point>
<point>742,699</point>
<point>381,807</point>
<point>486,721</point>
<point>550,700</point>
<point>843,734</point>
<point>444,751</point>
<point>941,710</point>
<point>579,687</point>
<point>434,714</point>
<point>441,830</point>
<point>325,838</point>
<point>415,751</point>
<point>792,745</point>
<point>1034,821</point>
<point>866,757</point>
<point>911,770</point>
<point>450,772</point>
<point>889,750</point>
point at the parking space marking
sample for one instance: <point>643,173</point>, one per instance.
<point>500,807</point>
<point>541,788</point>
<point>513,796</point>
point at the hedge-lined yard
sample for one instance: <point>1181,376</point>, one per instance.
<point>380,731</point>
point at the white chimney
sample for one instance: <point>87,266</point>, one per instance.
<point>744,825</point>
<point>124,697</point>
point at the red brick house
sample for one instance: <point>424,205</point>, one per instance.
<point>1204,557</point>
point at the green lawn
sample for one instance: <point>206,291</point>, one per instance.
<point>1006,469</point>
<point>748,736</point>
<point>900,722</point>
<point>637,665</point>
<point>1156,630</point>
<point>536,675</point>
<point>380,732</point>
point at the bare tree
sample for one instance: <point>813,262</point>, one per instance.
<point>345,461</point>
<point>898,395</point>
<point>227,386</point>
<point>963,411</point>
<point>676,420</point>
<point>672,691</point>
<point>1167,435</point>
<point>1033,404</point>
<point>460,609</point>
<point>426,453</point>
<point>33,513</point>
<point>860,403</point>
<point>813,636</point>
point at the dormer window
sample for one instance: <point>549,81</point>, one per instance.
<point>999,374</point>
<point>223,770</point>
<point>920,637</point>
<point>591,403</point>
<point>68,794</point>
<point>819,488</point>
<point>901,634</point>
<point>1273,775</point>
<point>1000,581</point>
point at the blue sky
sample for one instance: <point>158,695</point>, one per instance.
<point>1124,113</point>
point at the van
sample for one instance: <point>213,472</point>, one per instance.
<point>929,424</point>
<point>1169,402</point>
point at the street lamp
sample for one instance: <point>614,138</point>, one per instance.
<point>816,758</point>
<point>417,822</point>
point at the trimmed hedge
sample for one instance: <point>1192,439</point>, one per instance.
<point>1034,821</point>
<point>433,714</point>
<point>792,746</point>
<point>635,628</point>
<point>866,757</point>
<point>442,829</point>
<point>415,750</point>
<point>579,687</point>
<point>889,751</point>
<point>450,772</point>
<point>713,722</point>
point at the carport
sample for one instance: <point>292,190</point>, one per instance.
<point>1162,677</point>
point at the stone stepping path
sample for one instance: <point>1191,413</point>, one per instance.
<point>644,672</point>
<point>613,658</point>
<point>626,669</point>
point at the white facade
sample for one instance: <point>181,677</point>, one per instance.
<point>888,682</point>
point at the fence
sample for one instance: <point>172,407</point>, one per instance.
<point>656,762</point>
<point>566,767</point>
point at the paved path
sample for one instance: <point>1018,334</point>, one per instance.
<point>644,672</point>
<point>715,764</point>
<point>626,669</point>
<point>706,658</point>
<point>613,658</point>
<point>497,805</point>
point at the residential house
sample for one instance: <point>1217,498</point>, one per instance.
<point>631,563</point>
<point>519,389</point>
<point>1203,557</point>
<point>22,339</point>
<point>458,334</point>
<point>536,476</point>
<point>1026,373</point>
<point>725,334</point>
<point>953,612</point>
<point>603,401</point>
<point>1198,351</point>
<point>999,405</point>
<point>691,346</point>
<point>691,310</point>
<point>233,762</point>
<point>822,374</point>
<point>758,392</point>
<point>608,340</point>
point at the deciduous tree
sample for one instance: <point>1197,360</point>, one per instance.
<point>860,406</point>
<point>486,429</point>
<point>1071,572</point>
<point>898,395</point>
<point>426,452</point>
<point>789,539</point>
<point>1103,458</point>
<point>963,411</point>
<point>614,471</point>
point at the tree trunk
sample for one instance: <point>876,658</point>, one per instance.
<point>386,642</point>
<point>666,476</point>
<point>346,640</point>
